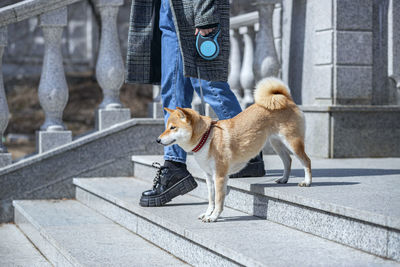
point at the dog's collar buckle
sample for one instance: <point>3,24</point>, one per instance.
<point>202,141</point>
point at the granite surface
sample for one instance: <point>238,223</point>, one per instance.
<point>104,153</point>
<point>340,186</point>
<point>106,118</point>
<point>17,250</point>
<point>83,237</point>
<point>46,140</point>
<point>5,159</point>
<point>326,212</point>
<point>245,239</point>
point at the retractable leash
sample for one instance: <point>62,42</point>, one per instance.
<point>208,48</point>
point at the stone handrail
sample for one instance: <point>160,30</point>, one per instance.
<point>30,8</point>
<point>53,89</point>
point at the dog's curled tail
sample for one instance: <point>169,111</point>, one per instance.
<point>272,93</point>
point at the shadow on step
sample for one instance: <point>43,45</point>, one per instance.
<point>186,204</point>
<point>337,172</point>
<point>237,218</point>
<point>314,184</point>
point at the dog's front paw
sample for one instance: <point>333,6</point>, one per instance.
<point>208,219</point>
<point>304,184</point>
<point>282,180</point>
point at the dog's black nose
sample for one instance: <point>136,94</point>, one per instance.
<point>158,140</point>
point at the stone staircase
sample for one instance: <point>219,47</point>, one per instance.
<point>263,224</point>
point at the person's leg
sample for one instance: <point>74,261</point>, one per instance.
<point>176,90</point>
<point>219,96</point>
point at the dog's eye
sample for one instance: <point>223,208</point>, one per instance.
<point>172,128</point>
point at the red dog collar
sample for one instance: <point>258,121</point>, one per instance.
<point>202,141</point>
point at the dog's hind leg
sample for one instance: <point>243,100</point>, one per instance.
<point>220,192</point>
<point>297,146</point>
<point>283,153</point>
<point>211,197</point>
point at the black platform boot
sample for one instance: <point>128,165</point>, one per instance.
<point>172,180</point>
<point>254,168</point>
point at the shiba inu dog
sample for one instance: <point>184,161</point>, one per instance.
<point>224,147</point>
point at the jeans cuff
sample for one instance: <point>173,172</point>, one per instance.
<point>171,158</point>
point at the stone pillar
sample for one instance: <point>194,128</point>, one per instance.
<point>235,64</point>
<point>110,68</point>
<point>344,80</point>
<point>266,59</point>
<point>53,89</point>
<point>5,158</point>
<point>247,74</point>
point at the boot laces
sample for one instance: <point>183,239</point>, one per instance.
<point>161,170</point>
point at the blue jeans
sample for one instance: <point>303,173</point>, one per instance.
<point>177,90</point>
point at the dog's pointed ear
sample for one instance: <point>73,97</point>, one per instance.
<point>169,110</point>
<point>183,114</point>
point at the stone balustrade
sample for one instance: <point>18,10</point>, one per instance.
<point>255,46</point>
<point>53,89</point>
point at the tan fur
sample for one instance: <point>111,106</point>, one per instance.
<point>235,141</point>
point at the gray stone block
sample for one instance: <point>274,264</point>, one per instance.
<point>237,237</point>
<point>353,85</point>
<point>354,15</point>
<point>104,153</point>
<point>46,140</point>
<point>5,159</point>
<point>354,48</point>
<point>164,238</point>
<point>362,222</point>
<point>366,133</point>
<point>323,9</point>
<point>106,118</point>
<point>394,246</point>
<point>70,231</point>
<point>317,138</point>
<point>323,47</point>
<point>322,86</point>
<point>17,250</point>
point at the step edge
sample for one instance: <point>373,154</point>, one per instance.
<point>44,234</point>
<point>175,228</point>
<point>348,212</point>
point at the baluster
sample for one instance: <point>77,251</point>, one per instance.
<point>5,158</point>
<point>266,59</point>
<point>235,64</point>
<point>110,72</point>
<point>53,89</point>
<point>247,75</point>
<point>157,109</point>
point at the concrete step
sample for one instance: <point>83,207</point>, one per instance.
<point>69,233</point>
<point>236,239</point>
<point>355,202</point>
<point>17,250</point>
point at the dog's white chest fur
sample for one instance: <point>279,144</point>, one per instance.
<point>204,159</point>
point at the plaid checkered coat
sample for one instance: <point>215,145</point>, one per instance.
<point>144,40</point>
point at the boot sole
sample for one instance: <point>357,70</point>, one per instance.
<point>184,186</point>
